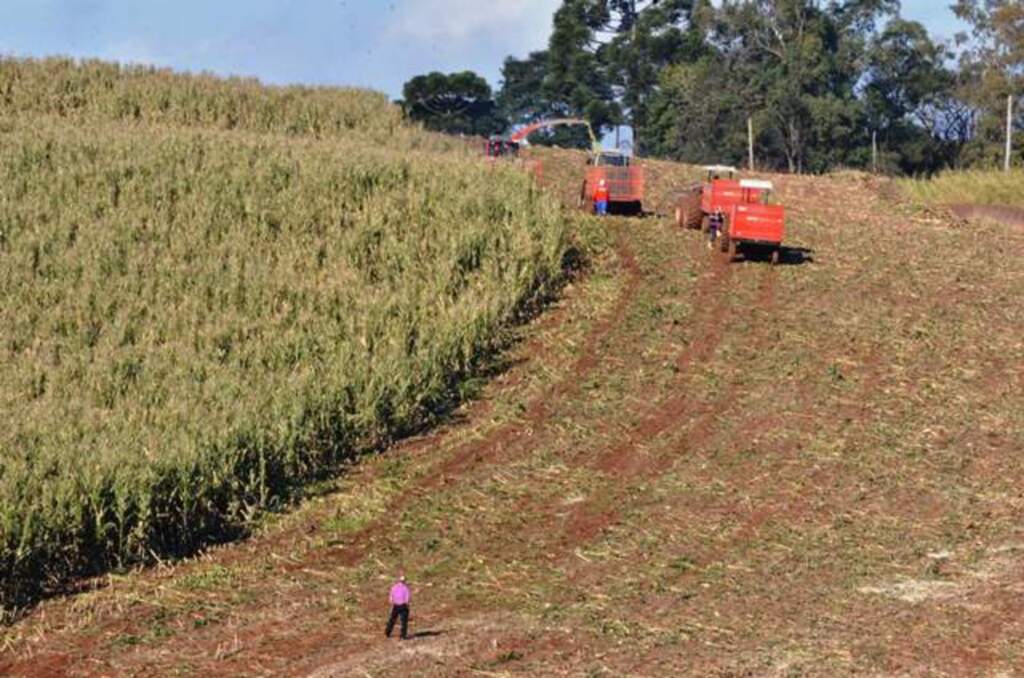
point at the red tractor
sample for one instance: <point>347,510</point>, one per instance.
<point>625,182</point>
<point>715,196</point>
<point>752,221</point>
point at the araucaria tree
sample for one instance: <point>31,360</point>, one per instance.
<point>458,103</point>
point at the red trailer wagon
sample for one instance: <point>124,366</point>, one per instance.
<point>753,222</point>
<point>625,182</point>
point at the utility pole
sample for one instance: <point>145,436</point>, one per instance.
<point>1009,132</point>
<point>874,151</point>
<point>750,143</point>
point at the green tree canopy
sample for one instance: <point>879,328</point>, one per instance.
<point>993,67</point>
<point>819,79</point>
<point>457,103</point>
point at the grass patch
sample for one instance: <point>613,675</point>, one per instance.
<point>980,187</point>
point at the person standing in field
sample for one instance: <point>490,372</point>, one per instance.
<point>715,224</point>
<point>601,197</point>
<point>400,597</point>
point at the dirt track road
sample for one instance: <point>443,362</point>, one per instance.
<point>687,465</point>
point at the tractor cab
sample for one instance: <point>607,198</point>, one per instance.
<point>756,191</point>
<point>721,190</point>
<point>609,159</point>
<point>717,172</point>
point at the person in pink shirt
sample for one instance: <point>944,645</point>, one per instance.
<point>400,597</point>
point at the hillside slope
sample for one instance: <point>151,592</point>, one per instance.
<point>216,293</point>
<point>689,466</point>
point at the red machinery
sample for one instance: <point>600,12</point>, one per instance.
<point>716,194</point>
<point>752,221</point>
<point>497,147</point>
<point>625,182</point>
<point>522,135</point>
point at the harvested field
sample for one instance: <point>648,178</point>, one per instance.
<point>686,466</point>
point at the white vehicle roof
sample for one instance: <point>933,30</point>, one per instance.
<point>720,168</point>
<point>758,184</point>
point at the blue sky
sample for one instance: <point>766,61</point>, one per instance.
<point>373,43</point>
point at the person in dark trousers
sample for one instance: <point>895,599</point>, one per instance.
<point>400,597</point>
<point>715,224</point>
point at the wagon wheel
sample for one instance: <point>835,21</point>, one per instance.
<point>582,204</point>
<point>775,257</point>
<point>732,249</point>
<point>680,217</point>
<point>705,223</point>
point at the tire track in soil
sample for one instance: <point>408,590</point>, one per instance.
<point>696,418</point>
<point>509,438</point>
<point>712,285</point>
<point>505,438</point>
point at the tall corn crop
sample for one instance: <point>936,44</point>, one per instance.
<point>197,317</point>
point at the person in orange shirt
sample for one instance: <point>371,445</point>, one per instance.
<point>601,197</point>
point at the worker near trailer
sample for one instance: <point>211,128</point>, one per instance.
<point>601,197</point>
<point>400,596</point>
<point>715,223</point>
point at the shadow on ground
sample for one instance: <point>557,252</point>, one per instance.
<point>788,256</point>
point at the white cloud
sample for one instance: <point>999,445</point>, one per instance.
<point>455,25</point>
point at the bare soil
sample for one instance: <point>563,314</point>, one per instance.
<point>1009,216</point>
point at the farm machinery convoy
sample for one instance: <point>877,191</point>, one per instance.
<point>736,214</point>
<point>623,179</point>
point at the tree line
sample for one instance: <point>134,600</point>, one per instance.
<point>823,83</point>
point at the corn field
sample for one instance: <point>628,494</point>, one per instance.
<point>213,292</point>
